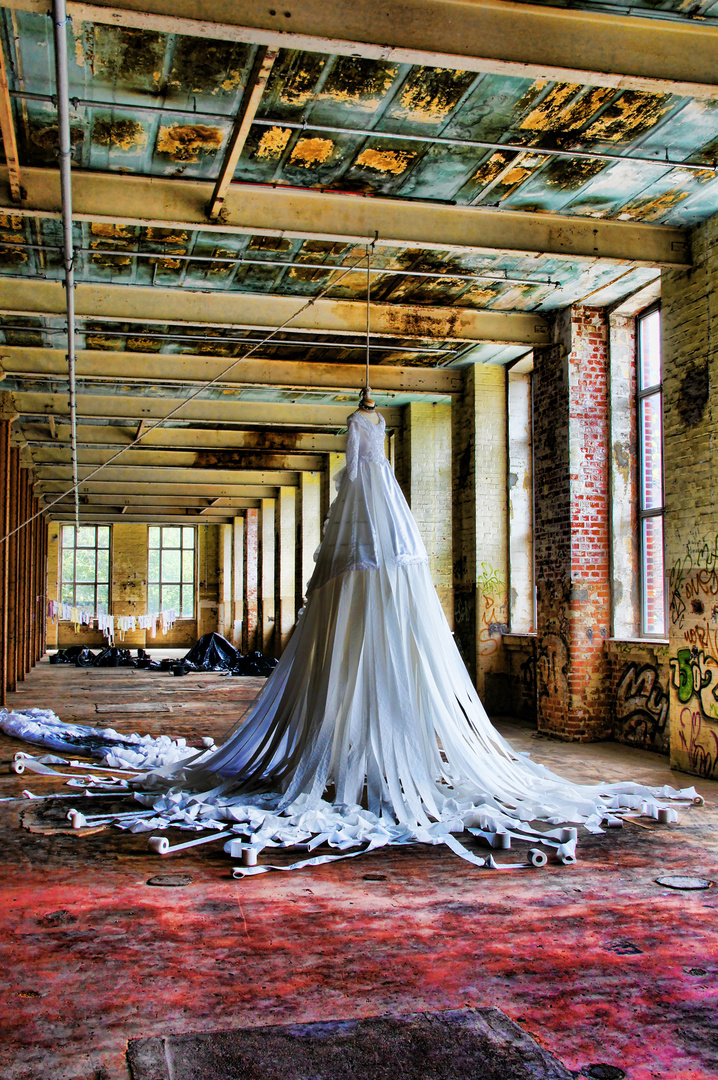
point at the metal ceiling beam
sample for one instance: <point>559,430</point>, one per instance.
<point>124,489</point>
<point>473,35</point>
<point>192,439</point>
<point>261,69</point>
<point>208,478</point>
<point>180,501</point>
<point>126,366</point>
<point>321,215</point>
<point>208,411</point>
<point>178,459</point>
<point>253,310</point>
<point>93,515</point>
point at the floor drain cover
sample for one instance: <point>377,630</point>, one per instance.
<point>677,881</point>
<point>172,881</point>
<point>605,1072</point>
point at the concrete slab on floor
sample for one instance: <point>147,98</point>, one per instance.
<point>596,962</point>
<point>458,1044</point>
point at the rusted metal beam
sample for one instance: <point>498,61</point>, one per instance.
<point>261,69</point>
<point>7,127</point>
<point>126,366</point>
<point>152,459</point>
<point>192,439</point>
<point>267,312</point>
<point>599,48</point>
<point>321,215</point>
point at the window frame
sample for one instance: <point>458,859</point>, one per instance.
<point>182,585</point>
<point>642,394</point>
<point>85,605</point>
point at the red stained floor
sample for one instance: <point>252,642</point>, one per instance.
<point>596,961</point>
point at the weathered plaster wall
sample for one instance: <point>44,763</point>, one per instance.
<point>690,364</point>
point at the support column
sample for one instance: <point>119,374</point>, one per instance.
<point>52,588</point>
<point>266,576</point>
<point>13,569</point>
<point>237,582</point>
<point>572,527</point>
<point>690,378</point>
<point>250,622</point>
<point>7,415</point>
<point>480,542</point>
<point>334,464</point>
<point>226,548</point>
<point>426,467</point>
<point>285,558</point>
<point>308,529</point>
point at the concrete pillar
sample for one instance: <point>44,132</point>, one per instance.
<point>572,527</point>
<point>266,576</point>
<point>334,464</point>
<point>426,468</point>
<point>226,554</point>
<point>690,411</point>
<point>237,581</point>
<point>250,622</point>
<point>480,542</point>
<point>285,532</point>
<point>309,522</point>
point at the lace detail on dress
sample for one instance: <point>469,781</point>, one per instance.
<point>365,441</point>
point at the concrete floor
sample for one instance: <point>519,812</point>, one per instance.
<point>596,961</point>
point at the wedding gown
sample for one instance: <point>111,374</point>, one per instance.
<point>370,730</point>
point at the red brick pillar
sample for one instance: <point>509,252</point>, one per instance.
<point>572,527</point>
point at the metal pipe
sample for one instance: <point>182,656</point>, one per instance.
<point>437,140</point>
<point>60,20</point>
<point>329,267</point>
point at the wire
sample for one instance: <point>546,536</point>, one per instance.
<point>186,401</point>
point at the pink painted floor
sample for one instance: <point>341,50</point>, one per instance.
<point>596,961</point>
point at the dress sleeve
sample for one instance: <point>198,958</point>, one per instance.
<point>352,448</point>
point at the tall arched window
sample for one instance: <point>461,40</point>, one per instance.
<point>651,508</point>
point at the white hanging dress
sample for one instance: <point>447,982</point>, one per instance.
<point>370,729</point>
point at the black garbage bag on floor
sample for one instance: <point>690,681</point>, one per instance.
<point>211,653</point>
<point>114,657</point>
<point>254,663</point>
<point>85,658</point>
<point>69,655</point>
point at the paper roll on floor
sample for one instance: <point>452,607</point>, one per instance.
<point>159,844</point>
<point>536,857</point>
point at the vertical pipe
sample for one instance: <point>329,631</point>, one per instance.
<point>60,20</point>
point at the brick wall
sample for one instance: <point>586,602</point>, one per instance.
<point>690,366</point>
<point>571,527</point>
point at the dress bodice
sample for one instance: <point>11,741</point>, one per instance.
<point>365,441</point>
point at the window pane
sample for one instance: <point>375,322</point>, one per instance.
<point>68,536</point>
<point>170,597</point>
<point>652,456</point>
<point>103,565</point>
<point>86,536</point>
<point>188,565</point>
<point>187,602</point>
<point>102,596</point>
<point>154,536</point>
<point>153,599</point>
<point>85,564</point>
<point>171,538</point>
<point>650,350</point>
<point>68,594</point>
<point>653,606</point>
<point>153,565</point>
<point>171,565</point>
<point>103,536</point>
<point>68,565</point>
<point>85,595</point>
<point>188,536</point>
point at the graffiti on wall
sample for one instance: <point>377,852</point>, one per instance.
<point>552,667</point>
<point>491,586</point>
<point>641,706</point>
<point>693,610</point>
